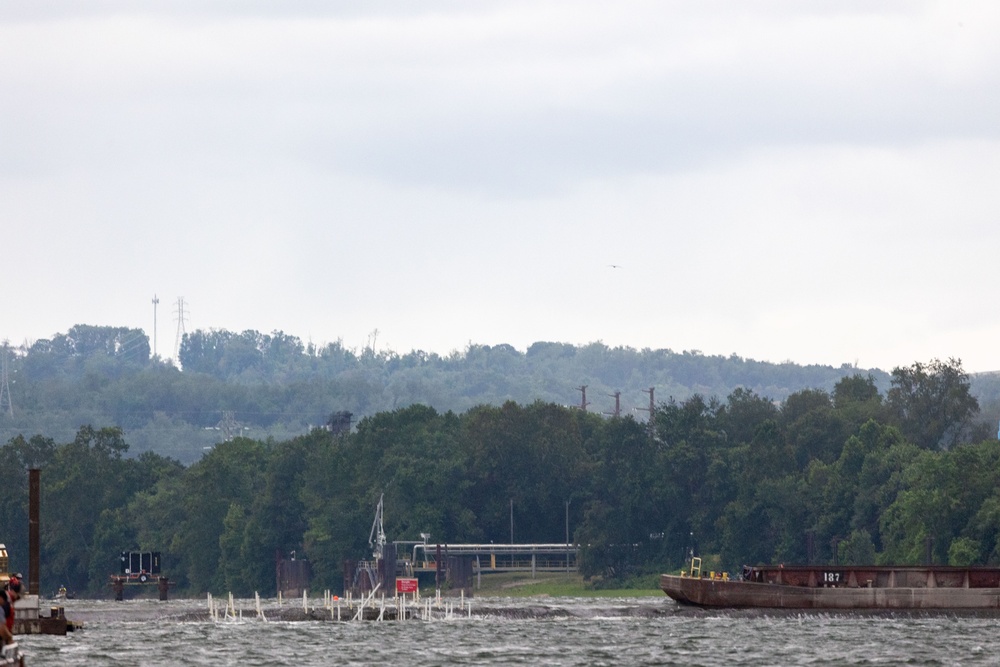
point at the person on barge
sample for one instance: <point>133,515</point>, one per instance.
<point>8,596</point>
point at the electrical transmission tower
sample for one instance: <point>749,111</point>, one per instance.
<point>5,382</point>
<point>179,313</point>
<point>229,426</point>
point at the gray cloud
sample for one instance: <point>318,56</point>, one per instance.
<point>752,164</point>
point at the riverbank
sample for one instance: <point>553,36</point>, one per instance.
<point>513,585</point>
<point>552,584</point>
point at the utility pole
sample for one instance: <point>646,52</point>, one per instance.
<point>583,400</point>
<point>650,409</point>
<point>567,536</point>
<point>618,405</point>
<point>512,521</point>
<point>156,302</point>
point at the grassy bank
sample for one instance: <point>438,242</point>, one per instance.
<point>557,585</point>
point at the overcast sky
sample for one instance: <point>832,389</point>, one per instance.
<point>816,182</point>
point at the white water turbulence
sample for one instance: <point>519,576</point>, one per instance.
<point>507,631</point>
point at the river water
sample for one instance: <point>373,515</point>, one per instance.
<point>506,631</point>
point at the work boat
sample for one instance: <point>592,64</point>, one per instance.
<point>838,587</point>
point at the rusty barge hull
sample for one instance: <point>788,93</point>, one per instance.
<point>42,626</point>
<point>843,588</point>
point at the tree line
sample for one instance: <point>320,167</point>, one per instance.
<point>847,475</point>
<point>276,386</point>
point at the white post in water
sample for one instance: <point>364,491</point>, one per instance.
<point>260,610</point>
<point>305,600</point>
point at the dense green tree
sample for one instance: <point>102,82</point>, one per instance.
<point>338,507</point>
<point>836,489</point>
<point>815,429</point>
<point>628,513</point>
<point>695,466</point>
<point>202,351</point>
<point>963,552</point>
<point>280,388</point>
<point>413,457</point>
<point>743,413</point>
<point>932,403</point>
<point>525,461</point>
<point>239,554</point>
<point>831,472</point>
<point>984,527</point>
<point>16,458</point>
<point>230,475</point>
<point>947,495</point>
<point>854,390</point>
<point>857,549</point>
<point>119,342</point>
<point>84,480</point>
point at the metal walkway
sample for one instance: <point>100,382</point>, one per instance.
<point>489,558</point>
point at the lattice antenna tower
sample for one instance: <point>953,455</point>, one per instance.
<point>5,381</point>
<point>180,315</point>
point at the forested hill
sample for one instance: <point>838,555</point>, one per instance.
<point>850,476</point>
<point>781,468</point>
<point>274,386</point>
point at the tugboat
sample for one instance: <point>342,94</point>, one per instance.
<point>838,587</point>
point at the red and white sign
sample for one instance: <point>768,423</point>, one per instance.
<point>406,585</point>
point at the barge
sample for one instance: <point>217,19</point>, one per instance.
<point>834,587</point>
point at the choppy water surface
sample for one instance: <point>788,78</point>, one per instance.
<point>653,631</point>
